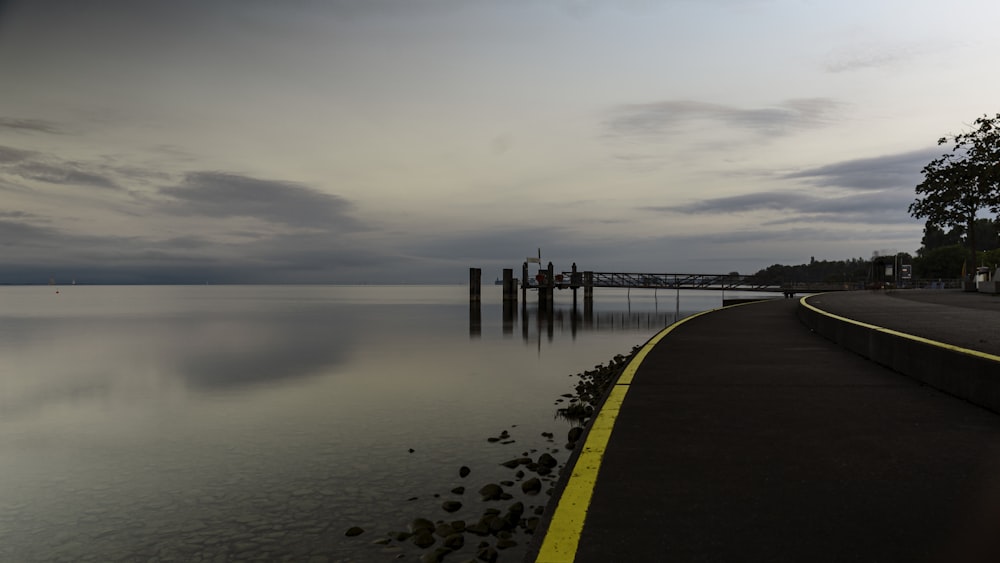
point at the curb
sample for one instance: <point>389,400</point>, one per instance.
<point>967,374</point>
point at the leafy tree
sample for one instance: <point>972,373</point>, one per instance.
<point>935,237</point>
<point>943,262</point>
<point>957,186</point>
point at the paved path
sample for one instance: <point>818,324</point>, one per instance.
<point>742,436</point>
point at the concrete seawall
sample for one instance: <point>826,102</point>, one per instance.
<point>967,373</point>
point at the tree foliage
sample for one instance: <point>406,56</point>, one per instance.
<point>829,271</point>
<point>957,186</point>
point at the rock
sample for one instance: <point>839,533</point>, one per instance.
<point>574,433</point>
<point>531,524</point>
<point>458,526</point>
<point>487,554</point>
<point>546,460</point>
<point>491,491</point>
<point>451,505</point>
<point>458,490</point>
<point>418,524</point>
<point>464,471</point>
<point>354,531</point>
<point>532,486</point>
<point>436,556</point>
<point>512,463</point>
<point>444,530</point>
<point>479,528</point>
<point>423,539</point>
<point>454,541</point>
<point>505,543</point>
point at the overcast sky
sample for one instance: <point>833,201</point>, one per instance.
<point>391,141</point>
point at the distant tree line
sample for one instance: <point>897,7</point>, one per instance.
<point>851,271</point>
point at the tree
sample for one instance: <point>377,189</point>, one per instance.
<point>959,185</point>
<point>943,262</point>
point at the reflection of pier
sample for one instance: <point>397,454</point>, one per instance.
<point>541,323</point>
<point>549,321</point>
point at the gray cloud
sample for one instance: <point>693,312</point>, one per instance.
<point>12,155</point>
<point>888,171</point>
<point>30,125</point>
<point>218,194</point>
<point>32,165</point>
<point>62,173</point>
<point>881,206</point>
<point>878,55</point>
<point>664,118</point>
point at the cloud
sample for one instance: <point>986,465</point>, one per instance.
<point>860,56</point>
<point>218,194</point>
<point>11,155</point>
<point>32,165</point>
<point>62,173</point>
<point>29,125</point>
<point>676,116</point>
<point>887,171</point>
<point>881,206</point>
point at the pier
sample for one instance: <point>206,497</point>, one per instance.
<point>546,281</point>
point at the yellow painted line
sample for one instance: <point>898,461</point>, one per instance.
<point>913,337</point>
<point>563,535</point>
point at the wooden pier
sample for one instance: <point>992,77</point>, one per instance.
<point>546,281</point>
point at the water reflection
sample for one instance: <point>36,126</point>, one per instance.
<point>64,361</point>
<point>176,422</point>
<point>551,322</point>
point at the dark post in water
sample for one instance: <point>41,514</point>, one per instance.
<point>475,284</point>
<point>524,284</point>
<point>509,285</point>
<point>546,288</point>
<point>588,288</point>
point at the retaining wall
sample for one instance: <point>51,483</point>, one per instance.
<point>967,374</point>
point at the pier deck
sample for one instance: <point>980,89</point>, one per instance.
<point>741,435</point>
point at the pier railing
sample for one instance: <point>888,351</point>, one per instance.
<point>690,281</point>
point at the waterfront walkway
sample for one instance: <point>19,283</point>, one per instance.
<point>743,435</point>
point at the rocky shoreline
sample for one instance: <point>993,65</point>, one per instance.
<point>504,514</point>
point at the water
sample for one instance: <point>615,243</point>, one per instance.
<point>214,423</point>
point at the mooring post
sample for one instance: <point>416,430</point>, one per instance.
<point>475,284</point>
<point>588,288</point>
<point>524,283</point>
<point>574,283</point>
<point>546,290</point>
<point>509,285</point>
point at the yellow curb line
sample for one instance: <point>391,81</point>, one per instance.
<point>563,535</point>
<point>915,338</point>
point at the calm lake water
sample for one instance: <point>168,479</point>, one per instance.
<point>215,423</point>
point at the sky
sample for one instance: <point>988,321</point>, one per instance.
<point>405,141</point>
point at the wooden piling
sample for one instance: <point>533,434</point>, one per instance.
<point>475,284</point>
<point>509,285</point>
<point>546,288</point>
<point>524,283</point>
